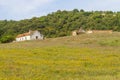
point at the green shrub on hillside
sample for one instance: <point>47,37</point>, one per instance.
<point>7,39</point>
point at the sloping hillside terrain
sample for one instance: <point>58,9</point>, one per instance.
<point>82,57</point>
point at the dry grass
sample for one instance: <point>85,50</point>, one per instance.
<point>84,57</point>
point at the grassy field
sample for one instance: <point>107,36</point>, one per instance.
<point>83,57</point>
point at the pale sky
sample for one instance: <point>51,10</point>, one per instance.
<point>26,9</point>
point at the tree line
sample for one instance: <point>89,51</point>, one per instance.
<point>61,23</point>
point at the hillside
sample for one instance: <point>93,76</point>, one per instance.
<point>61,23</point>
<point>83,57</point>
<point>97,39</point>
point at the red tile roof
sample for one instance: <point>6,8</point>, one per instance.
<point>25,34</point>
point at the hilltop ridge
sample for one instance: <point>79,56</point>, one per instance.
<point>61,23</point>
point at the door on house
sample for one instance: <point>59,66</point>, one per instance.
<point>36,37</point>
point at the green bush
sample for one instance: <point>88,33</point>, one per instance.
<point>6,39</point>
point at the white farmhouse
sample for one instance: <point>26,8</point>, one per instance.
<point>31,35</point>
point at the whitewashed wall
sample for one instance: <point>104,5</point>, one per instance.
<point>23,38</point>
<point>36,35</point>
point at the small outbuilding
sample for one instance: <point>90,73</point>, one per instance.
<point>77,32</point>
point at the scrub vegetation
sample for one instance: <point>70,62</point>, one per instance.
<point>61,23</point>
